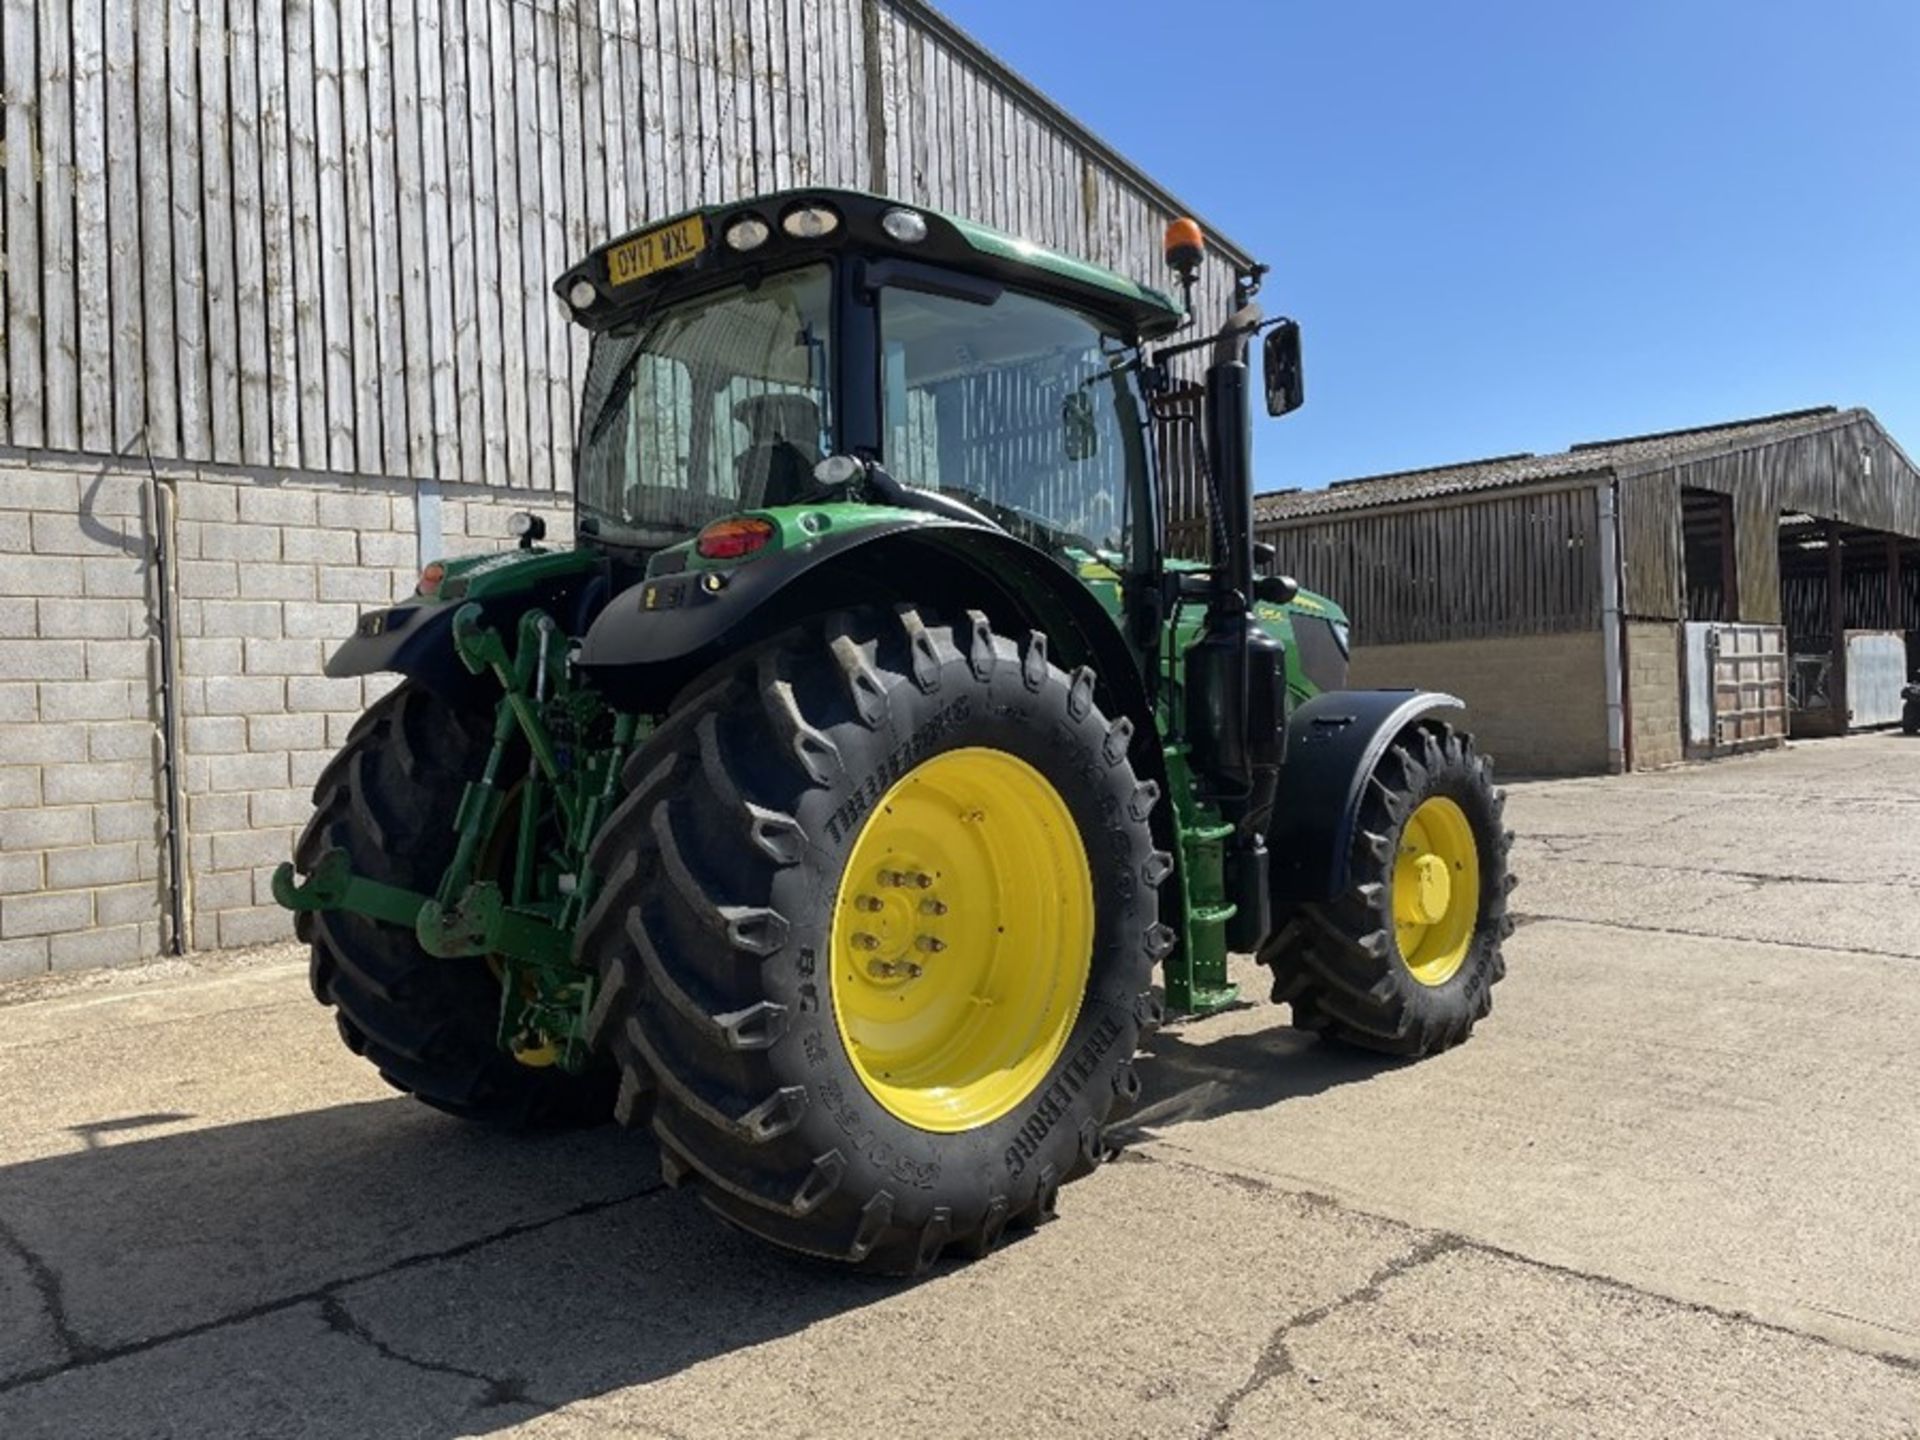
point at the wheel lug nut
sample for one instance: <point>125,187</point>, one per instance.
<point>930,906</point>
<point>864,941</point>
<point>866,902</point>
<point>929,944</point>
<point>893,969</point>
<point>922,880</point>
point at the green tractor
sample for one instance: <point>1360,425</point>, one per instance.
<point>830,805</point>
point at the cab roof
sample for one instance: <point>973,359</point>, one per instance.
<point>951,240</point>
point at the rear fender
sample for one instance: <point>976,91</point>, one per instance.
<point>668,627</point>
<point>415,637</point>
<point>1333,743</point>
<point>657,635</point>
<point>646,647</point>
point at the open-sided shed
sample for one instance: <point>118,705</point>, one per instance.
<point>1559,594</point>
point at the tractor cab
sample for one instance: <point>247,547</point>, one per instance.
<point>934,365</point>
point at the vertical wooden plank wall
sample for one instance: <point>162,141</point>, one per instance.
<point>320,234</point>
<point>1650,547</point>
<point>1520,563</point>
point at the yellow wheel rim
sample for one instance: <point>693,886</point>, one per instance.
<point>1436,891</point>
<point>962,939</point>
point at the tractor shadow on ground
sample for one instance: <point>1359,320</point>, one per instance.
<point>1188,1076</point>
<point>386,1269</point>
<point>421,1275</point>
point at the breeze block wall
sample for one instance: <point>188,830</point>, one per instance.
<point>270,571</point>
<point>80,800</point>
<point>1653,693</point>
<point>1536,703</point>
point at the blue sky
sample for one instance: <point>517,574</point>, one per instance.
<point>1510,226</point>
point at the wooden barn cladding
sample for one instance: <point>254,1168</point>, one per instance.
<point>318,234</point>
<point>1848,470</point>
<point>1508,564</point>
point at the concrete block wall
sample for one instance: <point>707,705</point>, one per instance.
<point>1536,703</point>
<point>80,799</point>
<point>1654,695</point>
<point>271,570</point>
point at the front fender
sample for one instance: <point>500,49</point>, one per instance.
<point>1333,743</point>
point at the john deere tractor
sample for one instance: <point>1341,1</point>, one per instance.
<point>852,795</point>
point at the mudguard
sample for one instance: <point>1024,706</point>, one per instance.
<point>414,638</point>
<point>1333,743</point>
<point>668,618</point>
<point>409,639</point>
<point>656,635</point>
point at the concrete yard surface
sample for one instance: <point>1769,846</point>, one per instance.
<point>1671,1187</point>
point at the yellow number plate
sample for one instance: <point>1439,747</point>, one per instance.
<point>660,249</point>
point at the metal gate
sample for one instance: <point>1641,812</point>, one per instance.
<point>1876,671</point>
<point>1736,688</point>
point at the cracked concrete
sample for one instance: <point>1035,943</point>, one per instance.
<point>30,1326</point>
<point>497,1391</point>
<point>73,1353</point>
<point>1504,1349</point>
<point>1276,1358</point>
<point>1666,1190</point>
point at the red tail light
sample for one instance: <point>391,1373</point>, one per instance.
<point>730,539</point>
<point>430,579</point>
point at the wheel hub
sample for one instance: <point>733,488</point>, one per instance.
<point>898,923</point>
<point>1421,889</point>
<point>962,939</point>
<point>1436,890</point>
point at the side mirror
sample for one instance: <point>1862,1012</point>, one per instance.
<point>1276,589</point>
<point>1286,381</point>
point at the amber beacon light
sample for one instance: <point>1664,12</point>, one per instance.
<point>1185,244</point>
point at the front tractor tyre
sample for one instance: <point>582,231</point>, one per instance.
<point>876,936</point>
<point>427,1024</point>
<point>1405,960</point>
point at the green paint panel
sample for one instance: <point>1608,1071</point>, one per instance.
<point>1024,252</point>
<point>503,572</point>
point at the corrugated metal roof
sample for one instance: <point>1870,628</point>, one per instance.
<point>1503,471</point>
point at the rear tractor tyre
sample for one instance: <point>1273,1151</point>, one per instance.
<point>1405,961</point>
<point>426,1023</point>
<point>876,936</point>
